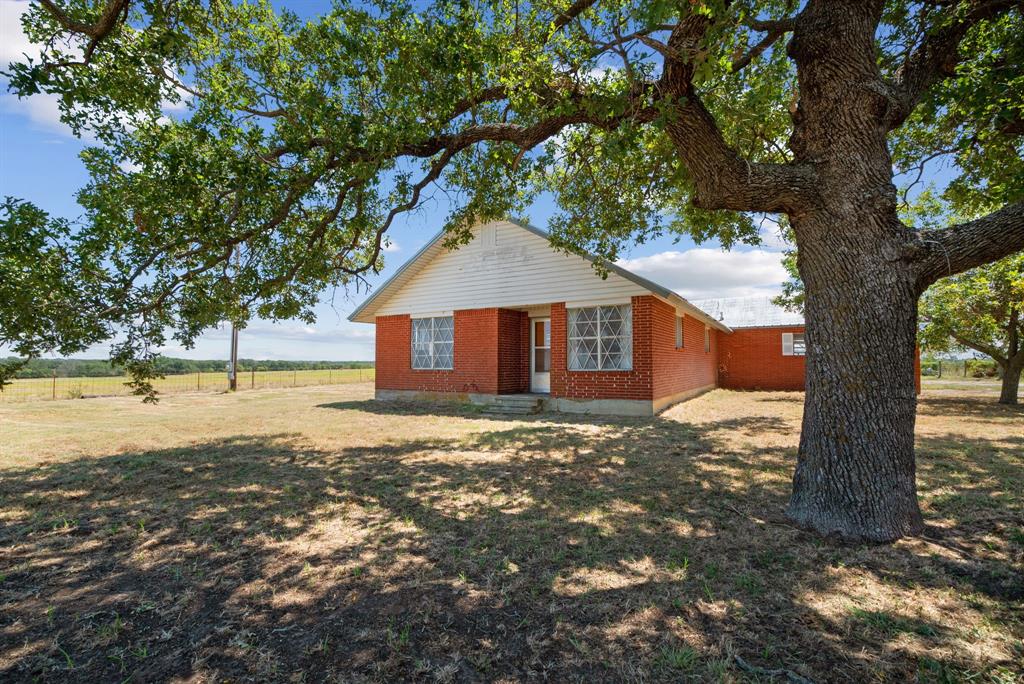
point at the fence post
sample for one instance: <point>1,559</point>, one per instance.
<point>252,384</point>
<point>197,381</point>
<point>54,383</point>
<point>360,374</point>
<point>330,375</point>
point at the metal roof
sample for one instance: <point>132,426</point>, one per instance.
<point>749,312</point>
<point>364,312</point>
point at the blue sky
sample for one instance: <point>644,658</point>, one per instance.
<point>39,162</point>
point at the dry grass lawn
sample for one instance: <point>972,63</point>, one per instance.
<point>313,534</point>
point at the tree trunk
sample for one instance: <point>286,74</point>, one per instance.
<point>1011,384</point>
<point>855,474</point>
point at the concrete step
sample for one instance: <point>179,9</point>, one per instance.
<point>514,404</point>
<point>511,410</point>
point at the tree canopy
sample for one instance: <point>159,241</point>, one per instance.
<point>983,310</point>
<point>303,139</point>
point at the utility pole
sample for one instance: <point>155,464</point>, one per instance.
<point>233,364</point>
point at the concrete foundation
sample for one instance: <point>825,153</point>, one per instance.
<point>601,407</point>
<point>664,402</point>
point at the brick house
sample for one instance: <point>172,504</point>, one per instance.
<point>507,319</point>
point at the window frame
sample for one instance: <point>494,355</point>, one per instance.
<point>789,341</point>
<point>680,331</point>
<point>707,339</point>
<point>432,344</point>
<point>625,338</point>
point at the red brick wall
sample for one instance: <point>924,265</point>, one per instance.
<point>631,384</point>
<point>751,358</point>
<point>679,370</point>
<point>492,348</point>
<point>513,351</point>
<point>475,356</point>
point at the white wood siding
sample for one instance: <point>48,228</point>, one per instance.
<point>519,269</point>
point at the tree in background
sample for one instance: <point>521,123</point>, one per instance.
<point>981,309</point>
<point>303,140</point>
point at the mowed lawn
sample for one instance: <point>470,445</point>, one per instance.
<point>313,534</point>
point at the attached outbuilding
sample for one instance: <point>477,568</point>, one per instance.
<point>506,319</point>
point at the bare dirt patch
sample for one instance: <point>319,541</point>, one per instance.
<point>314,534</point>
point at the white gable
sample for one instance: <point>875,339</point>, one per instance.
<point>505,265</point>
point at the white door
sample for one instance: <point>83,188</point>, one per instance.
<point>540,355</point>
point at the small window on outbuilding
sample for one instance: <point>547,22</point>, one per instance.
<point>707,340</point>
<point>680,339</point>
<point>793,344</point>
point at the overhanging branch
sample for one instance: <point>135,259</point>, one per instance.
<point>722,178</point>
<point>944,252</point>
<point>936,57</point>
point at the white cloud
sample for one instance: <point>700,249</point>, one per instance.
<point>290,340</point>
<point>40,109</point>
<point>391,246</point>
<point>296,331</point>
<point>771,234</point>
<point>706,273</point>
<point>14,45</point>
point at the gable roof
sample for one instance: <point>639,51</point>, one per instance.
<point>749,312</point>
<point>366,311</point>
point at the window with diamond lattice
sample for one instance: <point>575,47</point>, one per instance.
<point>433,343</point>
<point>601,338</point>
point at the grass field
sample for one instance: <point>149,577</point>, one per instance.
<point>32,389</point>
<point>313,534</point>
<point>976,386</point>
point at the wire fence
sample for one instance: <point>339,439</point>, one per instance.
<point>964,368</point>
<point>52,388</point>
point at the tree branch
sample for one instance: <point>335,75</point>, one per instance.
<point>114,12</point>
<point>270,114</point>
<point>936,57</point>
<point>944,252</point>
<point>986,349</point>
<point>722,178</point>
<point>97,31</point>
<point>774,28</point>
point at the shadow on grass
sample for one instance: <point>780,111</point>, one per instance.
<point>467,410</point>
<point>987,408</point>
<point>590,550</point>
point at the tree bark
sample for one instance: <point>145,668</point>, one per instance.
<point>855,473</point>
<point>1011,383</point>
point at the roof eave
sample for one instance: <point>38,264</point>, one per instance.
<point>357,316</point>
<point>654,287</point>
<point>365,312</point>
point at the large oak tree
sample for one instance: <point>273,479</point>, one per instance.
<point>303,140</point>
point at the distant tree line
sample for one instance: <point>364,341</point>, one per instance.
<point>94,368</point>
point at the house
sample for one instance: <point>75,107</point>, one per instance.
<point>506,315</point>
